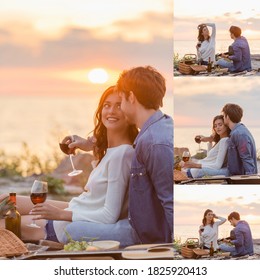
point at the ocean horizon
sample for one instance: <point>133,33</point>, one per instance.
<point>184,232</point>
<point>182,47</point>
<point>184,137</point>
<point>38,120</point>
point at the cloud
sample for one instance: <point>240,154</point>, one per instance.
<point>82,46</point>
<point>201,99</point>
<point>185,28</point>
<point>191,212</point>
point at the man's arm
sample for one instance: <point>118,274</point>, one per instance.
<point>237,56</point>
<point>244,147</point>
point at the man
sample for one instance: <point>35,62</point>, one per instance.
<point>243,243</point>
<point>240,59</point>
<point>151,183</point>
<point>241,157</point>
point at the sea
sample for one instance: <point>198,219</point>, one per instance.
<point>183,232</point>
<point>184,137</point>
<point>40,121</point>
<point>189,46</point>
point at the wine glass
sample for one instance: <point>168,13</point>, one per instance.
<point>186,156</point>
<point>198,140</point>
<point>65,148</point>
<point>38,195</point>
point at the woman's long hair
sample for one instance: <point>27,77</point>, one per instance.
<point>200,35</point>
<point>204,217</point>
<point>216,136</point>
<point>100,131</point>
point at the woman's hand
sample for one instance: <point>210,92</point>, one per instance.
<point>50,212</point>
<point>201,229</point>
<point>77,142</point>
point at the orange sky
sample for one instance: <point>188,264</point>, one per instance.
<point>49,49</point>
<point>191,201</point>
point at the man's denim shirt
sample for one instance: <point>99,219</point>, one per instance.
<point>241,57</point>
<point>241,151</point>
<point>243,241</point>
<point>151,181</point>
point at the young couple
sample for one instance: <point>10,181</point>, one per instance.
<point>233,152</point>
<point>129,194</point>
<point>238,58</point>
<point>240,242</point>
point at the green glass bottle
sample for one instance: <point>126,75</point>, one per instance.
<point>13,219</point>
<point>209,67</point>
<point>211,250</point>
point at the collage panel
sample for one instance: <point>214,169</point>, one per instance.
<point>216,42</point>
<point>216,173</point>
<point>216,130</point>
<point>85,171</point>
<point>228,216</point>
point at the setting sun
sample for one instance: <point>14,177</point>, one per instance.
<point>98,76</point>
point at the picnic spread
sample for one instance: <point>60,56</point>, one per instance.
<point>189,65</point>
<point>11,247</point>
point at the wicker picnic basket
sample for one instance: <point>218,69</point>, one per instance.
<point>10,244</point>
<point>187,250</point>
<point>185,64</point>
<point>179,176</point>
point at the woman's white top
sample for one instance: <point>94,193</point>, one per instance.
<point>215,158</point>
<point>106,191</point>
<point>207,48</point>
<point>216,155</point>
<point>210,233</point>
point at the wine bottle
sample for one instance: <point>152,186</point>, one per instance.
<point>211,250</point>
<point>209,67</point>
<point>13,219</point>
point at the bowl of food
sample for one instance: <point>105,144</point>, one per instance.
<point>221,70</point>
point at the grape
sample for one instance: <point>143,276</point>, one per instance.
<point>73,245</point>
<point>78,246</point>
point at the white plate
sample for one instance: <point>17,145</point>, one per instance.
<point>106,244</point>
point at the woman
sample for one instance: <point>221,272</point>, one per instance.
<point>206,43</point>
<point>215,161</point>
<point>208,231</point>
<point>104,199</point>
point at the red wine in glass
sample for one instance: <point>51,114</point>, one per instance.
<point>65,148</point>
<point>38,197</point>
<point>39,192</point>
<point>197,139</point>
<point>186,156</point>
<point>185,159</point>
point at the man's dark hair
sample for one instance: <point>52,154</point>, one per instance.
<point>146,83</point>
<point>235,30</point>
<point>234,215</point>
<point>234,111</point>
